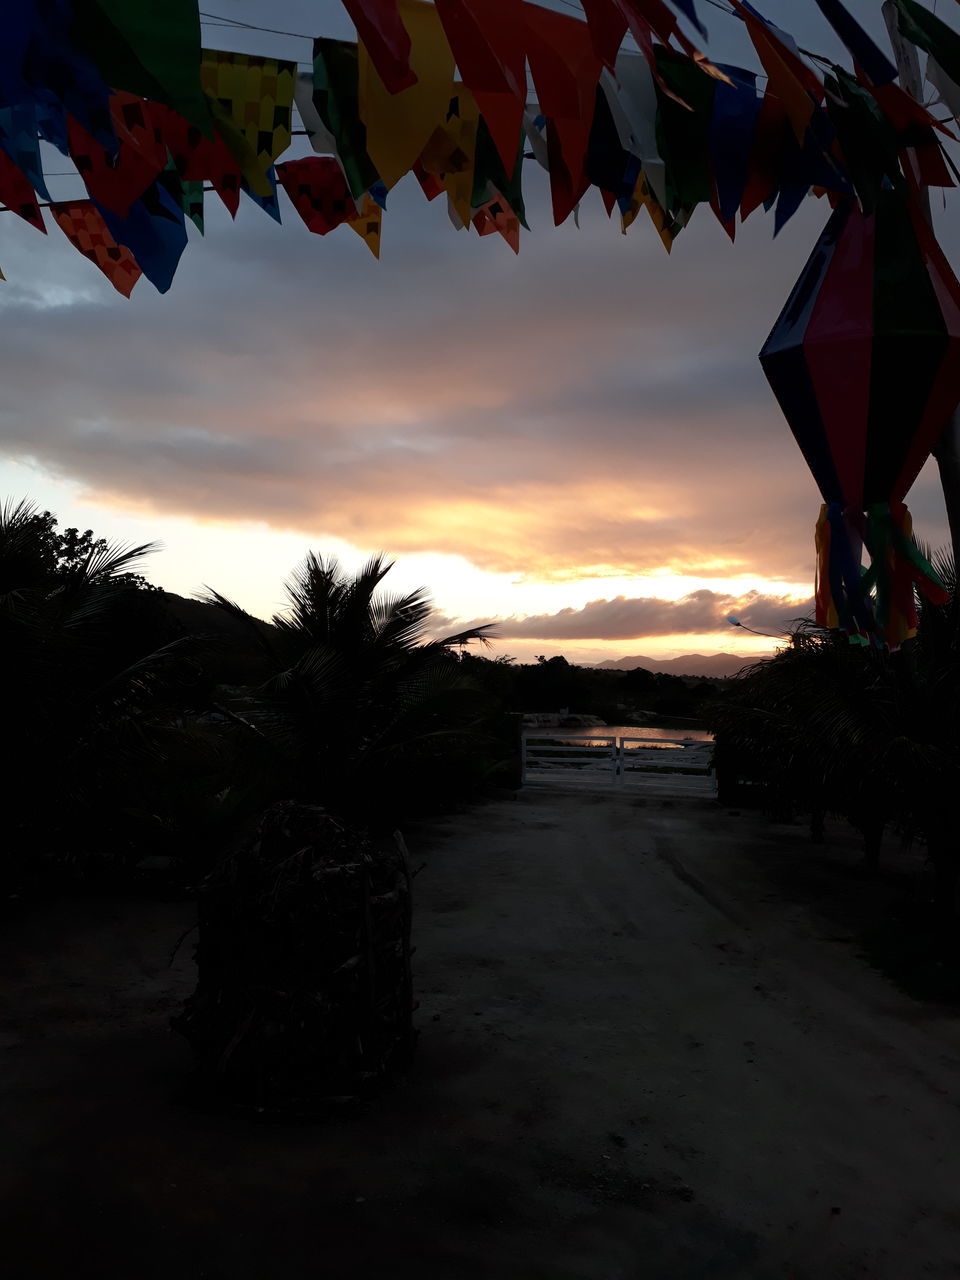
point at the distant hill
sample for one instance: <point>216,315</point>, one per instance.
<point>690,664</point>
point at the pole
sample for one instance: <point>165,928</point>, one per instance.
<point>947,451</point>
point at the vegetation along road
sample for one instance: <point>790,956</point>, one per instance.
<point>649,1048</point>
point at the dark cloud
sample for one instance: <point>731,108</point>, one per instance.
<point>699,613</point>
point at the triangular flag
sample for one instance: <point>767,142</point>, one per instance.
<point>200,159</point>
<point>368,224</point>
<point>565,71</point>
<point>336,97</point>
<point>399,125</point>
<point>319,192</point>
<point>496,215</point>
<point>683,132</point>
<point>632,97</point>
<point>488,40</point>
<point>19,139</point>
<point>252,103</point>
<point>83,225</point>
<point>155,234</point>
<point>319,136</point>
<point>115,181</point>
<point>733,123</point>
<point>797,86</point>
<point>452,150</point>
<point>607,26</point>
<point>861,48</point>
<point>148,49</point>
<point>17,194</point>
<point>380,27</point>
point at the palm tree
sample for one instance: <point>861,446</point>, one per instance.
<point>361,697</point>
<point>81,679</point>
<point>826,726</point>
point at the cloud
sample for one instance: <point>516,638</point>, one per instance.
<point>699,613</point>
<point>593,408</point>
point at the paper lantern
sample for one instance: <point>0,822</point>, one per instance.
<point>865,362</point>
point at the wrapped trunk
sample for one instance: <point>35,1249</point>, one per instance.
<point>304,992</point>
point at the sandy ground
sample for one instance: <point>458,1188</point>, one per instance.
<point>649,1049</point>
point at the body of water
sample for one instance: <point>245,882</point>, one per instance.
<point>622,731</point>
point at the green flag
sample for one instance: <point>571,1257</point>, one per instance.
<point>147,48</point>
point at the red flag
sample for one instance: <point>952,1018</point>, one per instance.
<point>17,193</point>
<point>608,26</point>
<point>319,192</point>
<point>488,41</point>
<point>83,225</point>
<point>383,35</point>
<point>496,215</point>
<point>198,158</point>
<point>118,181</point>
<point>565,71</point>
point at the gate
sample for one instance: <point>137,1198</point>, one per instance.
<point>679,766</point>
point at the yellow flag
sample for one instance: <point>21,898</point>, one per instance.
<point>368,223</point>
<point>252,101</point>
<point>399,125</point>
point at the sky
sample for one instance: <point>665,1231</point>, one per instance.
<point>577,443</point>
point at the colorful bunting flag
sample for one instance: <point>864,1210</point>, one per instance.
<point>733,123</point>
<point>487,38</point>
<point>115,181</point>
<point>368,224</point>
<point>797,86</point>
<point>148,49</point>
<point>632,97</point>
<point>399,125</point>
<point>17,194</point>
<point>252,104</point>
<point>874,62</point>
<point>319,136</point>
<point>683,132</point>
<point>83,225</point>
<point>200,159</point>
<point>154,232</point>
<point>608,26</point>
<point>318,189</point>
<point>566,71</point>
<point>380,26</point>
<point>496,215</point>
<point>336,96</point>
<point>452,151</point>
<point>19,138</point>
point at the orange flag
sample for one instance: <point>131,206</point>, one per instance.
<point>368,224</point>
<point>83,225</point>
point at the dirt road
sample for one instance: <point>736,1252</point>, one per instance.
<point>646,1053</point>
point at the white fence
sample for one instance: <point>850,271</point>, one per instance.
<point>579,759</point>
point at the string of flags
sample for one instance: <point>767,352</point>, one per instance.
<point>461,94</point>
<point>458,93</point>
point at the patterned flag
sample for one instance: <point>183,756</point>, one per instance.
<point>368,224</point>
<point>19,138</point>
<point>116,181</point>
<point>319,192</point>
<point>496,215</point>
<point>252,103</point>
<point>83,225</point>
<point>147,48</point>
<point>17,194</point>
<point>154,232</point>
<point>336,96</point>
